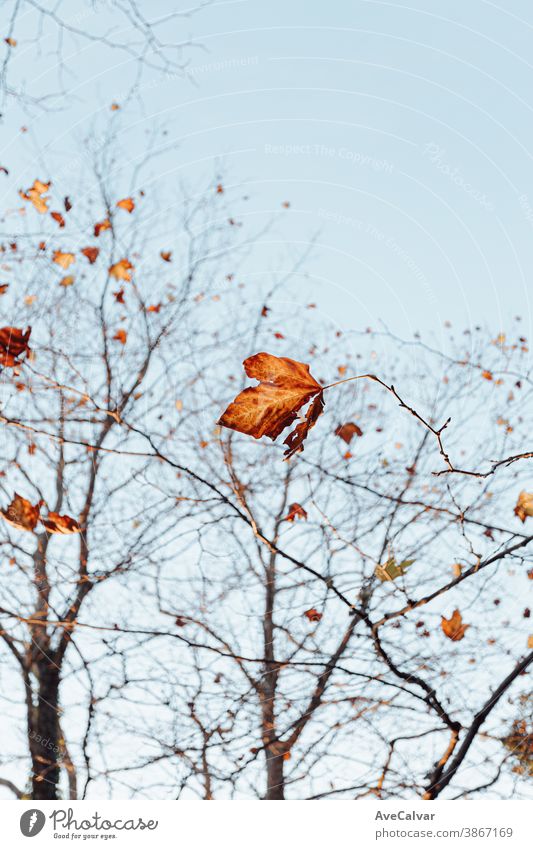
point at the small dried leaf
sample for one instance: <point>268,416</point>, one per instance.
<point>348,431</point>
<point>101,226</point>
<point>121,270</point>
<point>295,511</point>
<point>524,505</point>
<point>453,628</point>
<point>121,336</point>
<point>56,524</point>
<point>126,203</point>
<point>91,253</point>
<point>63,259</point>
<point>35,195</point>
<point>13,345</point>
<point>21,513</point>
<point>313,615</point>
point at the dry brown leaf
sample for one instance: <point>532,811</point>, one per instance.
<point>295,511</point>
<point>313,615</point>
<point>58,217</point>
<point>121,270</point>
<point>56,524</point>
<point>453,628</point>
<point>285,385</point>
<point>36,195</point>
<point>63,259</point>
<point>101,226</point>
<point>21,513</point>
<point>524,505</point>
<point>348,431</point>
<point>119,296</point>
<point>91,254</point>
<point>13,345</point>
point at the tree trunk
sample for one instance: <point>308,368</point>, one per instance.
<point>44,735</point>
<point>275,778</point>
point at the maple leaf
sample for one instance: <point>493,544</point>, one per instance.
<point>390,570</point>
<point>295,510</point>
<point>121,270</point>
<point>56,524</point>
<point>313,615</point>
<point>101,226</point>
<point>35,194</point>
<point>13,345</point>
<point>121,336</point>
<point>284,387</point>
<point>348,431</point>
<point>126,203</point>
<point>63,259</point>
<point>21,513</point>
<point>524,505</point>
<point>91,254</point>
<point>453,628</point>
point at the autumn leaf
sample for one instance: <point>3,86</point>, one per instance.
<point>126,203</point>
<point>35,194</point>
<point>391,570</point>
<point>119,296</point>
<point>220,189</point>
<point>11,41</point>
<point>101,226</point>
<point>91,254</point>
<point>58,217</point>
<point>63,259</point>
<point>121,270</point>
<point>13,345</point>
<point>56,524</point>
<point>21,513</point>
<point>524,505</point>
<point>453,628</point>
<point>121,336</point>
<point>67,281</point>
<point>295,511</point>
<point>313,615</point>
<point>487,375</point>
<point>285,385</point>
<point>348,431</point>
<point>3,288</point>
<point>166,256</point>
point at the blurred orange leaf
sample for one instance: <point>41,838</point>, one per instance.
<point>126,203</point>
<point>121,270</point>
<point>63,259</point>
<point>21,513</point>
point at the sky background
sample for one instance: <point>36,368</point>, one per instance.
<point>400,135</point>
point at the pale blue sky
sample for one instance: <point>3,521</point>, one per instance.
<point>399,133</point>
